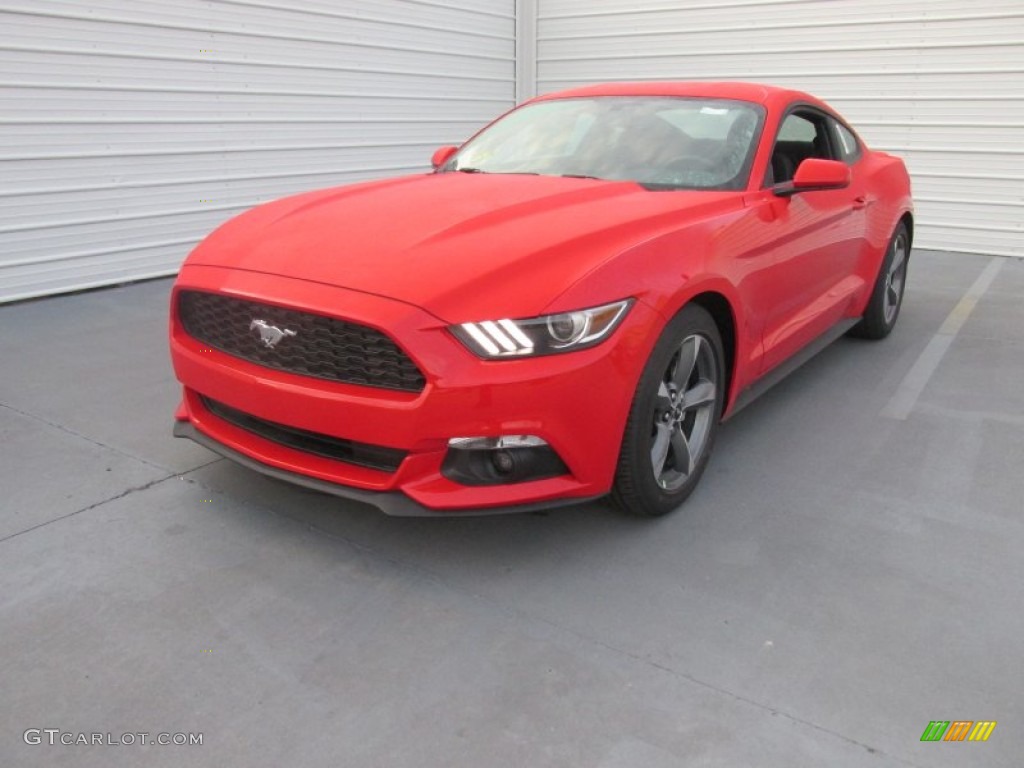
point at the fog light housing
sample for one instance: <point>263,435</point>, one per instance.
<point>500,460</point>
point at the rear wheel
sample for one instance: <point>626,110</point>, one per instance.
<point>887,297</point>
<point>674,417</point>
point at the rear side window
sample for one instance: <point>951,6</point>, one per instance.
<point>849,147</point>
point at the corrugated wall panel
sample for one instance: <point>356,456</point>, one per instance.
<point>131,128</point>
<point>939,82</point>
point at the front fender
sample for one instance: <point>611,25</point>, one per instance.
<point>666,273</point>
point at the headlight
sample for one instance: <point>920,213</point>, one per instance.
<point>547,335</point>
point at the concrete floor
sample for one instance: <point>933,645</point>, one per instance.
<point>840,578</point>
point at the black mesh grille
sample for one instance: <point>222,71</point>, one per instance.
<point>363,454</point>
<point>318,346</point>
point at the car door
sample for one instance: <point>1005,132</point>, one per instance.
<point>808,245</point>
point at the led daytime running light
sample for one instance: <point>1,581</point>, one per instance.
<point>542,335</point>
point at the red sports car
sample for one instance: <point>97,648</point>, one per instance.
<point>566,307</point>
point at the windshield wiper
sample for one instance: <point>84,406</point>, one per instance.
<point>580,176</point>
<point>497,173</point>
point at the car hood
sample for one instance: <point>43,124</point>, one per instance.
<point>461,246</point>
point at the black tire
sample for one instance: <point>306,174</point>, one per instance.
<point>887,297</point>
<point>691,420</point>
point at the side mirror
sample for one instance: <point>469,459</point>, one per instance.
<point>815,174</point>
<point>442,155</point>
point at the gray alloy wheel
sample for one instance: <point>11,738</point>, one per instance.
<point>683,413</point>
<point>887,296</point>
<point>895,275</point>
<point>673,418</point>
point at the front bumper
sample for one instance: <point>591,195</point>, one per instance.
<point>394,503</point>
<point>577,402</point>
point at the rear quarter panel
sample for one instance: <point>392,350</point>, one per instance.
<point>888,186</point>
<point>887,179</point>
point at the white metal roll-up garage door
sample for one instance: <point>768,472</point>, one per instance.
<point>938,82</point>
<point>131,128</point>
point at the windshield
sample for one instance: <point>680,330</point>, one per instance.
<point>659,142</point>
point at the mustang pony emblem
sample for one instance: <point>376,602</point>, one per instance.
<point>270,334</point>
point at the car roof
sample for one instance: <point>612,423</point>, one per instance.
<point>757,93</point>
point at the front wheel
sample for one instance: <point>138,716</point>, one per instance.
<point>887,296</point>
<point>674,417</point>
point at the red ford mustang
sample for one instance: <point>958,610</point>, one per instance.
<point>566,307</point>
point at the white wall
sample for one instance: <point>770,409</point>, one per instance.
<point>938,82</point>
<point>131,128</point>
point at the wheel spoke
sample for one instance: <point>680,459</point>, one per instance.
<point>659,451</point>
<point>892,294</point>
<point>681,452</point>
<point>688,352</point>
<point>662,403</point>
<point>700,394</point>
<point>898,257</point>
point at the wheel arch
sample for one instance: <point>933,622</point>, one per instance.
<point>721,310</point>
<point>908,219</point>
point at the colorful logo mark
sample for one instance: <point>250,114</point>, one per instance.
<point>958,730</point>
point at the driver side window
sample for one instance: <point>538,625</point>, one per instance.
<point>803,134</point>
